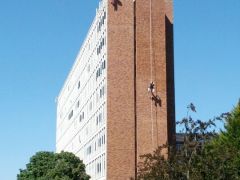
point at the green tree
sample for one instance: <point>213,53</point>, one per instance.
<point>54,166</point>
<point>184,162</point>
<point>222,155</point>
<point>204,154</point>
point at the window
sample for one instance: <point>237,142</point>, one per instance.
<point>100,117</point>
<point>88,68</point>
<point>89,150</point>
<point>101,44</point>
<point>77,105</point>
<point>75,124</point>
<point>103,20</point>
<point>104,64</point>
<point>102,92</point>
<point>79,84</point>
<point>90,106</point>
<point>99,142</point>
<point>97,121</point>
<point>99,168</point>
<point>86,130</point>
<point>97,97</point>
<point>105,15</point>
<point>104,163</point>
<point>70,115</point>
<point>98,51</point>
<point>102,140</point>
<point>98,73</point>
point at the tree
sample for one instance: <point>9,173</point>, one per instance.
<point>184,162</point>
<point>223,152</point>
<point>54,166</point>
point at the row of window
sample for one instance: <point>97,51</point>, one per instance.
<point>95,122</point>
<point>98,97</point>
<point>100,69</point>
<point>80,85</point>
<point>99,119</point>
<point>78,101</point>
<point>101,45</point>
<point>85,51</point>
<point>101,94</point>
<point>98,73</point>
<point>95,144</point>
<point>101,21</point>
<point>95,118</point>
<point>83,134</point>
<point>97,167</point>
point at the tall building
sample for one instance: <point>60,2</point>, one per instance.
<point>118,100</point>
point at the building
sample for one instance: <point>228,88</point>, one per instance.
<point>118,100</point>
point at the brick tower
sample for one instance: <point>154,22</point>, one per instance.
<point>140,51</point>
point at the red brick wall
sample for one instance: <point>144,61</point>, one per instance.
<point>155,124</point>
<point>132,134</point>
<point>120,101</point>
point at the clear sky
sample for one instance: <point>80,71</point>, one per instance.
<point>39,41</point>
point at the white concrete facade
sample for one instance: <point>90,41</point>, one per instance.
<point>81,104</point>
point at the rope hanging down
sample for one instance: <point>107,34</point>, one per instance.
<point>151,66</point>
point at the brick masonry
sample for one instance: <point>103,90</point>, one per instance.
<point>139,51</point>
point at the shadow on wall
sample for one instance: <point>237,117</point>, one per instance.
<point>170,81</point>
<point>116,3</point>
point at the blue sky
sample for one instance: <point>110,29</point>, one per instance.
<point>39,41</point>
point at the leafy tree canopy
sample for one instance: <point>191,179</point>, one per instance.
<point>224,150</point>
<point>54,166</point>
